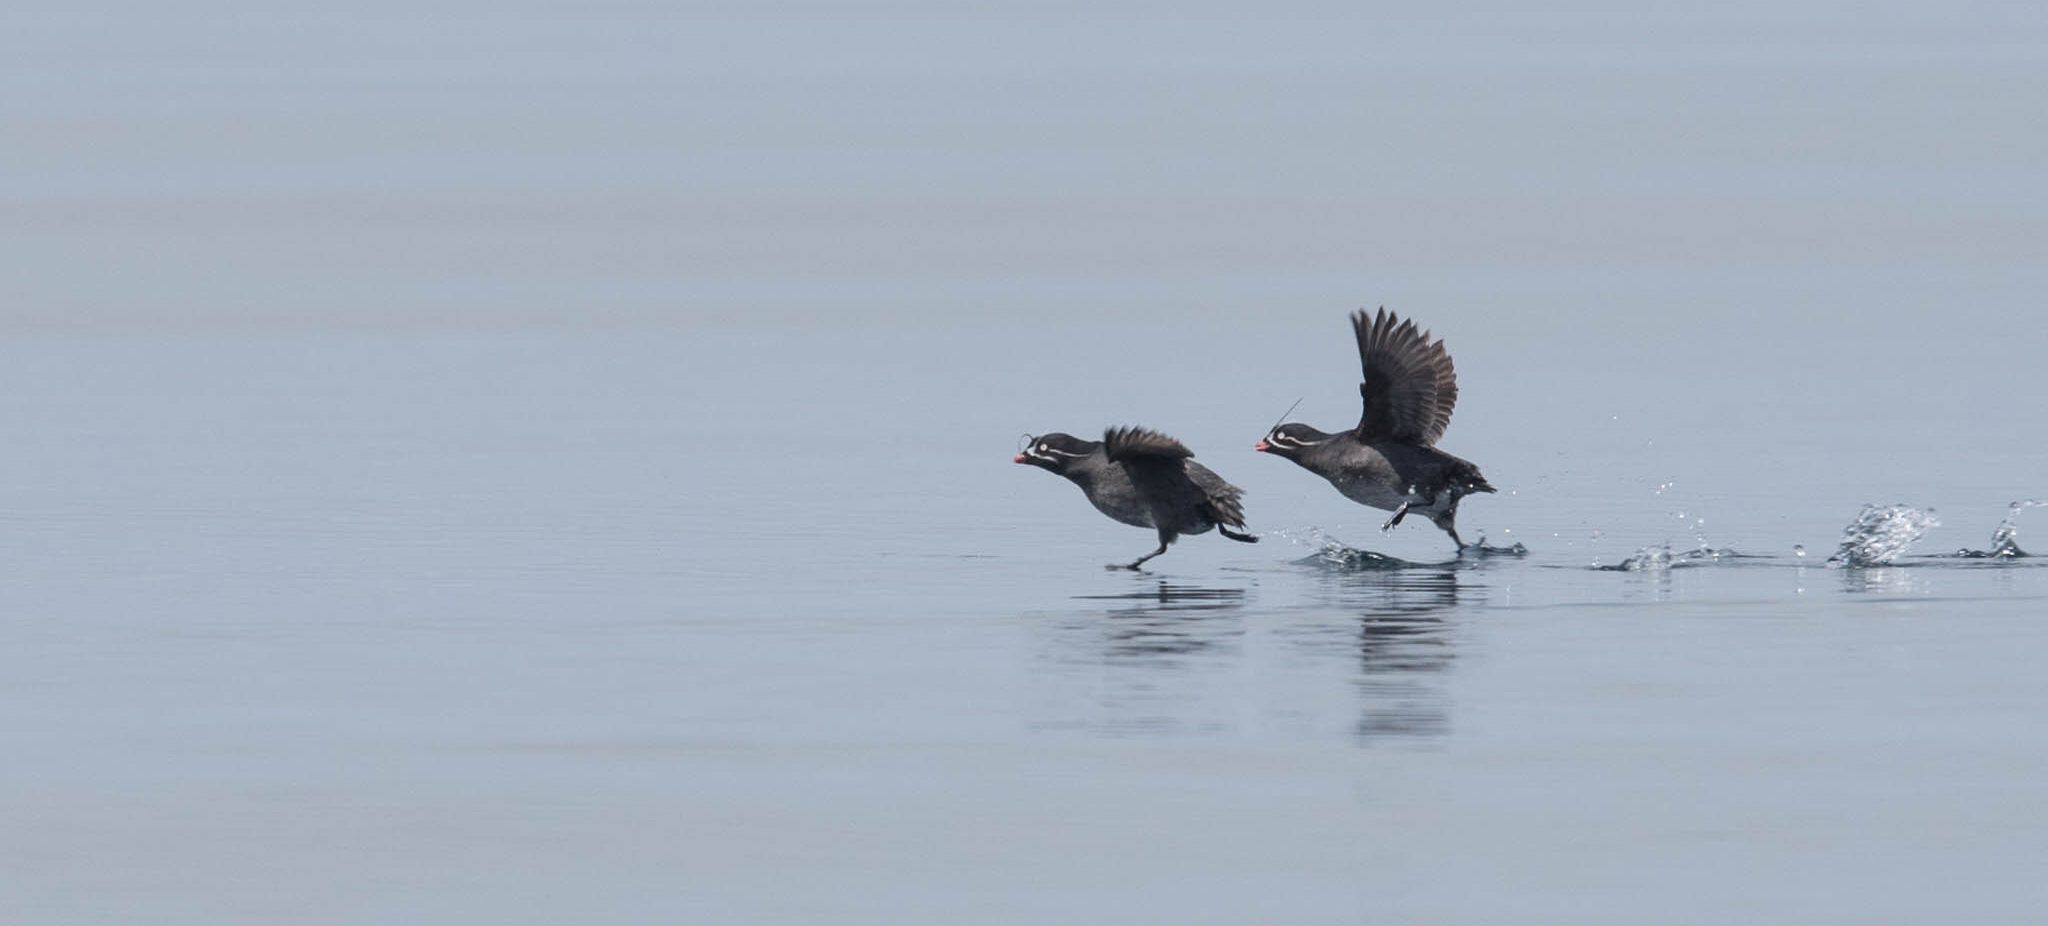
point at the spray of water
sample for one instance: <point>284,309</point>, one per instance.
<point>1481,549</point>
<point>1327,552</point>
<point>1880,534</point>
<point>1663,558</point>
<point>2004,540</point>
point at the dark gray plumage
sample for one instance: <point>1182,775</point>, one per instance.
<point>1145,479</point>
<point>1390,460</point>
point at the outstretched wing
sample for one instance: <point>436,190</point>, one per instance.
<point>1410,385</point>
<point>1129,444</point>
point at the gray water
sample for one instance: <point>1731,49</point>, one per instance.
<point>766,627</point>
<point>505,463</point>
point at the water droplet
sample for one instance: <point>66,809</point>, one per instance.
<point>1799,550</point>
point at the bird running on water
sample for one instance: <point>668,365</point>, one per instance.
<point>1390,461</point>
<point>1145,479</point>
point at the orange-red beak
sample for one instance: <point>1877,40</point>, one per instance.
<point>1262,446</point>
<point>1020,459</point>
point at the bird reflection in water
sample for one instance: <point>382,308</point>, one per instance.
<point>1163,623</point>
<point>1363,658</point>
<point>1404,647</point>
<point>1153,661</point>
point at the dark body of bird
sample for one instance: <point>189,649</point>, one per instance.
<point>1390,461</point>
<point>1145,479</point>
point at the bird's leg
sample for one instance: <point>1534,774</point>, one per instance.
<point>1140,561</point>
<point>1240,538</point>
<point>1166,539</point>
<point>1399,513</point>
<point>1448,521</point>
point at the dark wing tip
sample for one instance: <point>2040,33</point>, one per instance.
<point>1125,443</point>
<point>1365,322</point>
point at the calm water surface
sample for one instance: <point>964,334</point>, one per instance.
<point>754,621</point>
<point>760,626</point>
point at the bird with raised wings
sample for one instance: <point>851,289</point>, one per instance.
<point>1145,479</point>
<point>1390,461</point>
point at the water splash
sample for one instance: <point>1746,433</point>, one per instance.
<point>1328,552</point>
<point>1661,559</point>
<point>1339,556</point>
<point>2004,540</point>
<point>1880,533</point>
<point>1480,549</point>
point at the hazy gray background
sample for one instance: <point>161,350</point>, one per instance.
<point>519,465</point>
<point>445,165</point>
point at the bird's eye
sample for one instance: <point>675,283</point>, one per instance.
<point>1041,448</point>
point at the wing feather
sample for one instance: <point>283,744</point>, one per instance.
<point>1131,443</point>
<point>1410,385</point>
<point>1226,501</point>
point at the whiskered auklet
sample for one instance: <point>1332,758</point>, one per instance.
<point>1145,479</point>
<point>1390,460</point>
